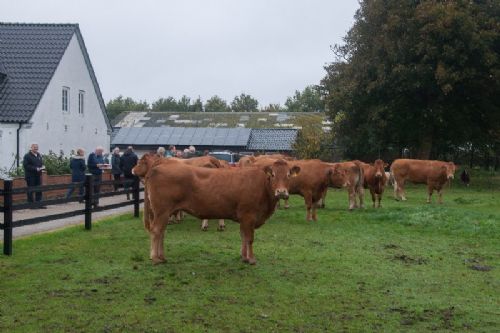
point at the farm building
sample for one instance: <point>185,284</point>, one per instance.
<point>145,139</point>
<point>48,92</point>
<point>276,120</point>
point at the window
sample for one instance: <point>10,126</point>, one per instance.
<point>65,128</point>
<point>81,95</point>
<point>65,99</point>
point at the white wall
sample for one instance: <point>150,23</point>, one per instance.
<point>7,144</point>
<point>49,120</point>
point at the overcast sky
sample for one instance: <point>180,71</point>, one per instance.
<point>149,49</point>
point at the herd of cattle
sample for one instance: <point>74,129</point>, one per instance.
<point>249,194</point>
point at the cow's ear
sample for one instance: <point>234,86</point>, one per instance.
<point>268,170</point>
<point>294,171</point>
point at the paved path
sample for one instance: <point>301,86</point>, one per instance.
<point>58,224</point>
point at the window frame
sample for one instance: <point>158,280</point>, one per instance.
<point>65,99</point>
<point>81,102</point>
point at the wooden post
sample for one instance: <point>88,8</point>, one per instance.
<point>89,198</point>
<point>7,217</point>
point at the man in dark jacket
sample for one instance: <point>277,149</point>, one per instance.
<point>115,166</point>
<point>127,162</point>
<point>95,163</point>
<point>33,166</point>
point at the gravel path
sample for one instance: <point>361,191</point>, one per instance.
<point>58,224</point>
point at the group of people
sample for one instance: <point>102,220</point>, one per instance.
<point>173,152</point>
<point>96,163</point>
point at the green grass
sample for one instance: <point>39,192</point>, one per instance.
<point>407,267</point>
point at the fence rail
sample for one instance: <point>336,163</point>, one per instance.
<point>131,186</point>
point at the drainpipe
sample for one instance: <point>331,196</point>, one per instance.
<point>17,144</point>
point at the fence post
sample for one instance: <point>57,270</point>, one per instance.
<point>89,198</point>
<point>7,217</point>
<point>135,195</point>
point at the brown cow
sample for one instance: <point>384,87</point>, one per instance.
<point>311,183</point>
<point>433,173</point>
<point>375,179</point>
<point>146,163</point>
<point>247,196</point>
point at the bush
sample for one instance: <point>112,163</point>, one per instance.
<point>56,164</point>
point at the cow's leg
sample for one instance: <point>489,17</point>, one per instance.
<point>374,196</point>
<point>157,233</point>
<point>243,244</point>
<point>180,216</point>
<point>247,233</point>
<point>204,225</point>
<point>222,225</point>
<point>286,204</point>
<point>430,189</point>
<point>400,184</point>
<point>440,197</point>
<point>314,209</point>
<point>379,198</point>
<point>309,203</point>
<point>361,195</point>
<point>352,197</point>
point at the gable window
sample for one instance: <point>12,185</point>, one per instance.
<point>65,99</point>
<point>81,98</point>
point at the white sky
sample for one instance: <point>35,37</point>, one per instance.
<point>148,49</point>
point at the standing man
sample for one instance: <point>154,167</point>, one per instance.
<point>115,166</point>
<point>128,161</point>
<point>95,163</point>
<point>33,166</point>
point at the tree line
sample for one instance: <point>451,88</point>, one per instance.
<point>420,76</point>
<point>307,100</point>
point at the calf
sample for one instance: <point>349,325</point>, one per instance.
<point>375,179</point>
<point>433,173</point>
<point>247,196</point>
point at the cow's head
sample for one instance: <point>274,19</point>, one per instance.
<point>279,174</point>
<point>144,165</point>
<point>338,175</point>
<point>449,168</point>
<point>379,166</point>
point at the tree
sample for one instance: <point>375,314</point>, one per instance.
<point>120,104</point>
<point>309,100</point>
<point>183,104</point>
<point>312,141</point>
<point>216,104</point>
<point>197,105</point>
<point>165,104</point>
<point>273,108</point>
<point>244,103</point>
<point>418,74</point>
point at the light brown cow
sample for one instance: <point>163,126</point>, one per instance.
<point>375,179</point>
<point>246,161</point>
<point>146,163</point>
<point>433,173</point>
<point>351,178</point>
<point>276,157</point>
<point>247,196</point>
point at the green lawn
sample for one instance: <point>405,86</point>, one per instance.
<point>407,267</point>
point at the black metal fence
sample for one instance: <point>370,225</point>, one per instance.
<point>128,186</point>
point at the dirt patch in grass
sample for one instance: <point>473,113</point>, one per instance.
<point>411,317</point>
<point>409,260</point>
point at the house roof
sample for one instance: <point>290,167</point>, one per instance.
<point>30,54</point>
<point>183,136</point>
<point>272,139</point>
<point>251,139</point>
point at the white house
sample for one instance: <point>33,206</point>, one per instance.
<point>48,92</point>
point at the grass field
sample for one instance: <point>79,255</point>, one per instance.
<point>407,267</point>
